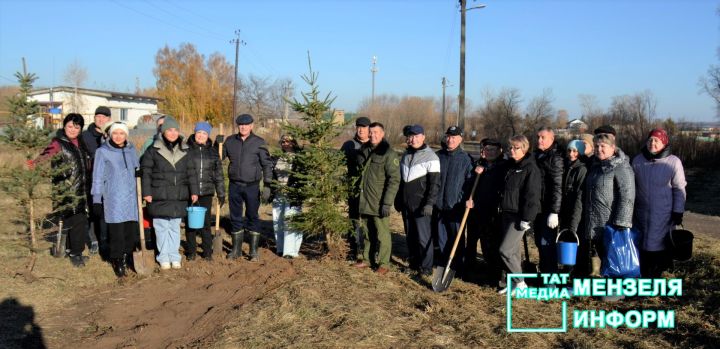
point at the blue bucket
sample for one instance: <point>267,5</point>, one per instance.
<point>567,251</point>
<point>196,217</point>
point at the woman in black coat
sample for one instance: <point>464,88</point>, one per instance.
<point>168,181</point>
<point>519,204</point>
<point>210,181</point>
<point>70,164</point>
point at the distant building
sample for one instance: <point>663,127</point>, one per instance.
<point>577,126</point>
<point>339,116</point>
<point>56,102</point>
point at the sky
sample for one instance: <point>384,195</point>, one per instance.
<point>603,48</point>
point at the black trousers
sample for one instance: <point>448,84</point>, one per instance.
<point>249,196</point>
<point>191,234</point>
<point>487,228</point>
<point>418,232</point>
<point>122,238</point>
<point>76,227</point>
<point>654,263</point>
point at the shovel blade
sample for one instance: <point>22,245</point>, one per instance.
<point>144,262</point>
<point>438,284</point>
<point>217,245</point>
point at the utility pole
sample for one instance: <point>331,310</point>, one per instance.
<point>286,100</point>
<point>461,95</point>
<point>237,43</point>
<point>442,122</point>
<point>373,70</point>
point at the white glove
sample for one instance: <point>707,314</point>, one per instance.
<point>524,225</point>
<point>552,221</point>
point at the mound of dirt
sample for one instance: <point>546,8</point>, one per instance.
<point>176,308</point>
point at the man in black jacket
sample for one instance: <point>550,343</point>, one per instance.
<point>351,148</point>
<point>250,163</point>
<point>550,162</point>
<point>456,169</point>
<point>485,216</point>
<point>419,184</point>
<point>94,136</point>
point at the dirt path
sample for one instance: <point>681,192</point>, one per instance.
<point>172,309</point>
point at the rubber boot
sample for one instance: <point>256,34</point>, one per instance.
<point>254,240</point>
<point>595,261</point>
<point>237,240</point>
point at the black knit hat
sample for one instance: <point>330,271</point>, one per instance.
<point>103,110</point>
<point>605,129</point>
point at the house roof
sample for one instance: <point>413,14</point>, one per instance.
<point>99,93</point>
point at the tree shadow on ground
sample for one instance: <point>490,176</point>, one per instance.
<point>18,328</point>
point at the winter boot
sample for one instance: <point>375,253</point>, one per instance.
<point>596,262</point>
<point>77,261</point>
<point>237,240</point>
<point>254,240</point>
<point>119,266</point>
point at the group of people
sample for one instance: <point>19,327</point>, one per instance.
<point>546,191</point>
<point>95,177</point>
<point>590,185</point>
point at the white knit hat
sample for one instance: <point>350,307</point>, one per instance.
<point>118,126</point>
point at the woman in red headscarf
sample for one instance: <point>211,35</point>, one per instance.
<point>659,201</point>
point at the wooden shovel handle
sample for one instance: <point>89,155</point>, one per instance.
<point>217,201</point>
<point>140,214</point>
<point>462,224</point>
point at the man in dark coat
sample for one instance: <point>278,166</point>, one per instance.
<point>550,162</point>
<point>456,168</point>
<point>419,184</point>
<point>250,163</point>
<point>351,148</point>
<point>94,136</point>
<point>486,225</point>
<point>379,180</point>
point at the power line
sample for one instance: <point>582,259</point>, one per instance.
<point>451,35</point>
<point>175,15</point>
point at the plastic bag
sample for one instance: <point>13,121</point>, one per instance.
<point>622,259</point>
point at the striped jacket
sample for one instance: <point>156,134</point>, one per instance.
<point>419,179</point>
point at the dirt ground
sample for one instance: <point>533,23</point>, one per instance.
<point>314,302</point>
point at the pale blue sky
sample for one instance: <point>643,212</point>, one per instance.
<point>603,47</point>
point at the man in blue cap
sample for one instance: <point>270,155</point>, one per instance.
<point>250,163</point>
<point>419,184</point>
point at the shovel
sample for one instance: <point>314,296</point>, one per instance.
<point>143,260</point>
<point>58,250</point>
<point>217,245</point>
<point>443,276</point>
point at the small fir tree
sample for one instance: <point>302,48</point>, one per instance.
<point>319,169</point>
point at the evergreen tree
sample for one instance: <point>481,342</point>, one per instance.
<point>21,132</point>
<point>24,185</point>
<point>319,168</point>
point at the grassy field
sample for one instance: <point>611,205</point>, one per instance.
<point>316,302</point>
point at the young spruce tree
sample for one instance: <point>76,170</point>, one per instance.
<point>319,169</point>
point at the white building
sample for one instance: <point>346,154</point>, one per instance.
<point>577,125</point>
<point>56,102</point>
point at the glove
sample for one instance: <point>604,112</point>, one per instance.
<point>97,210</point>
<point>427,210</point>
<point>385,211</point>
<point>676,218</point>
<point>219,139</point>
<point>138,172</point>
<point>524,226</point>
<point>552,221</point>
<point>266,193</point>
<point>221,201</point>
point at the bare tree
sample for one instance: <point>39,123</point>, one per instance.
<point>75,75</point>
<point>539,112</point>
<point>501,114</point>
<point>592,113</point>
<point>710,84</point>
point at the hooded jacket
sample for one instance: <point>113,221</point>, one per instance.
<point>660,190</point>
<point>379,169</point>
<point>169,176</point>
<point>208,167</point>
<point>114,184</point>
<point>419,179</point>
<point>70,164</point>
<point>572,194</point>
<point>609,194</point>
<point>521,194</point>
